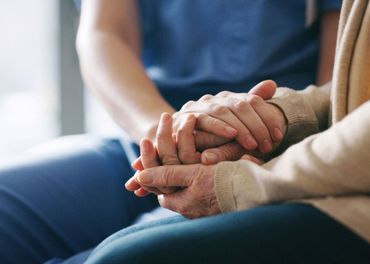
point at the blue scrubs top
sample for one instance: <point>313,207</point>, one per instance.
<point>195,47</point>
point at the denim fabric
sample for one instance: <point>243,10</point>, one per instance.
<point>64,198</point>
<point>287,233</point>
<point>60,201</point>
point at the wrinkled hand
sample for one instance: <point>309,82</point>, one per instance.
<point>259,125</point>
<point>187,189</point>
<point>195,183</point>
<point>195,196</point>
<point>168,151</point>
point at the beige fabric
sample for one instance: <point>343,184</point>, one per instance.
<point>348,57</point>
<point>331,169</point>
<point>360,66</point>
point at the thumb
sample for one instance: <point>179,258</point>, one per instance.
<point>230,151</point>
<point>168,176</point>
<point>265,89</point>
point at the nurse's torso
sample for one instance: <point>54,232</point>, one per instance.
<point>194,47</point>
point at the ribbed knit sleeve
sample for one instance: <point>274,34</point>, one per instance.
<point>334,162</point>
<point>306,112</point>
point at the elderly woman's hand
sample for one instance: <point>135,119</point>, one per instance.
<point>195,195</point>
<point>186,189</point>
<point>167,151</point>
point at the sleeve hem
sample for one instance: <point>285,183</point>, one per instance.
<point>224,186</point>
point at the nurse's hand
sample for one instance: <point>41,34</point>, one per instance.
<point>259,125</point>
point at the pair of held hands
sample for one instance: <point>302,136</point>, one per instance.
<point>180,167</point>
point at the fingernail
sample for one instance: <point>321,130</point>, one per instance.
<point>266,146</point>
<point>231,131</point>
<point>210,157</point>
<point>146,177</point>
<point>250,142</point>
<point>278,134</point>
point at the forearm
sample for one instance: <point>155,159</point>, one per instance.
<point>335,162</point>
<point>117,77</point>
<point>306,112</point>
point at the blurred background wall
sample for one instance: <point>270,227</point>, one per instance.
<point>41,91</point>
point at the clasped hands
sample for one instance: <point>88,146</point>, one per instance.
<point>180,167</point>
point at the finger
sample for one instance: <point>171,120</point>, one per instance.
<point>252,159</point>
<point>231,151</point>
<point>244,137</point>
<point>273,119</point>
<point>218,109</point>
<point>168,176</point>
<point>149,160</point>
<point>244,111</point>
<point>186,150</point>
<point>137,164</point>
<point>204,140</point>
<point>148,154</point>
<point>166,147</point>
<point>172,202</point>
<point>144,191</point>
<point>265,89</point>
<point>215,126</point>
<point>132,185</point>
<point>141,192</point>
<point>215,108</point>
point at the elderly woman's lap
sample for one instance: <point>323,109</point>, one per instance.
<point>288,233</point>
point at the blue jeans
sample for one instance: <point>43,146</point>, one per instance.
<point>281,233</point>
<point>61,201</point>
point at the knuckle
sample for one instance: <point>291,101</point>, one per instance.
<point>242,106</point>
<point>169,159</point>
<point>224,94</point>
<point>206,97</point>
<point>231,101</point>
<point>163,179</point>
<point>219,110</point>
<point>187,105</point>
<point>255,100</point>
<point>202,118</point>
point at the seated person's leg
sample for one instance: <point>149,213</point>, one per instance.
<point>287,233</point>
<point>65,198</point>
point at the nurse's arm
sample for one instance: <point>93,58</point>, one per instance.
<point>109,47</point>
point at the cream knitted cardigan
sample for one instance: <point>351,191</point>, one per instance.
<point>330,169</point>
